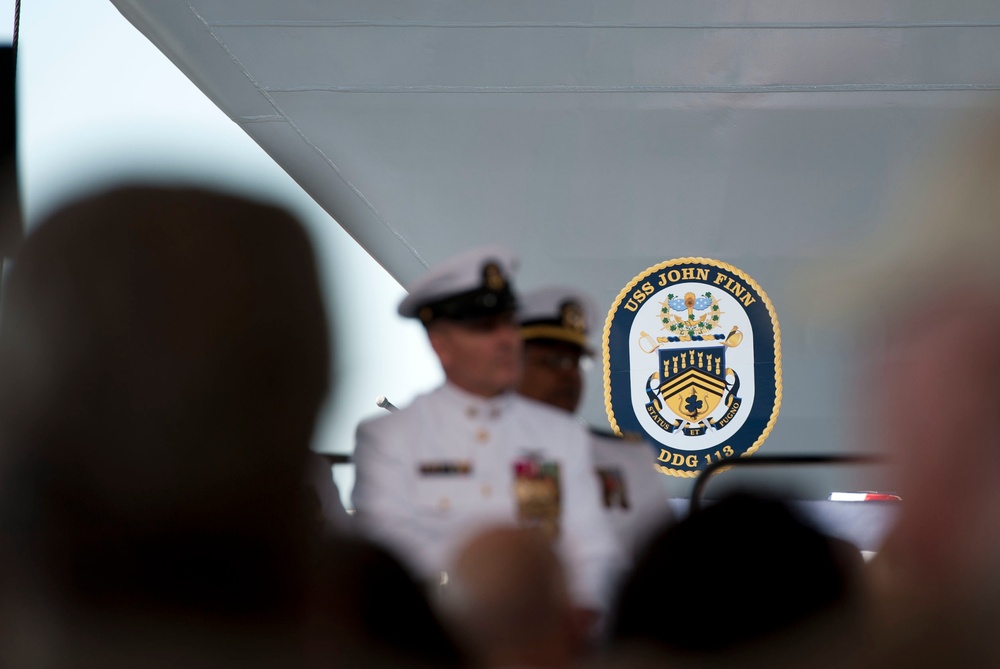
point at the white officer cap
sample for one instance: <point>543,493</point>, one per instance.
<point>474,284</point>
<point>558,313</point>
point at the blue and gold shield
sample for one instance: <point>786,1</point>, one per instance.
<point>692,380</point>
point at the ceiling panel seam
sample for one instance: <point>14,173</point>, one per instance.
<point>600,26</point>
<point>291,124</point>
<point>760,89</point>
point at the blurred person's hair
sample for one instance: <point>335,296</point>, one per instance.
<point>365,607</point>
<point>746,579</point>
<point>508,600</point>
<point>163,357</point>
<point>939,232</point>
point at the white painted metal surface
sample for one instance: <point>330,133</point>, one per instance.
<point>599,138</point>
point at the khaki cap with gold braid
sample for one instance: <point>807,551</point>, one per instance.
<point>557,313</point>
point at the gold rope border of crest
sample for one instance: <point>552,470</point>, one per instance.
<point>606,353</point>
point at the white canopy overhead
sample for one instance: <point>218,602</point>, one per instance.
<point>599,138</point>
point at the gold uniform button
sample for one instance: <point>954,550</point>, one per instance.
<point>486,489</point>
<point>482,436</point>
<point>444,503</point>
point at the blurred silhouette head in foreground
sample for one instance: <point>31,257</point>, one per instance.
<point>367,609</point>
<point>744,580</point>
<point>163,357</point>
<point>508,601</point>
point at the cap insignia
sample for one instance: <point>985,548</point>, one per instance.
<point>571,315</point>
<point>493,277</point>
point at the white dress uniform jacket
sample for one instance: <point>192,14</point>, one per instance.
<point>633,494</point>
<point>432,473</point>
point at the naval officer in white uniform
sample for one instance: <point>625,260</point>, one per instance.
<point>473,453</point>
<point>555,322</point>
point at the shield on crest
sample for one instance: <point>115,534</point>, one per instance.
<point>693,380</point>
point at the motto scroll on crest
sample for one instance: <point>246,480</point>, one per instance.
<point>692,362</point>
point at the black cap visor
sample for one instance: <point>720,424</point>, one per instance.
<point>470,306</point>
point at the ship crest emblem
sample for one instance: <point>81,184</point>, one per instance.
<point>692,361</point>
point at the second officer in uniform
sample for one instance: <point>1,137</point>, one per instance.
<point>555,323</point>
